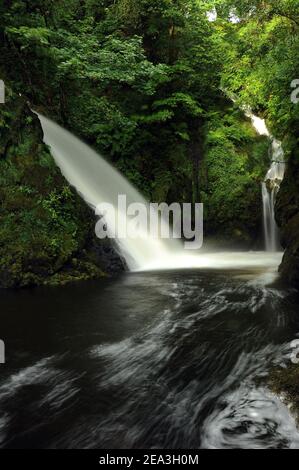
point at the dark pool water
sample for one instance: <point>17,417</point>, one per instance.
<point>155,360</point>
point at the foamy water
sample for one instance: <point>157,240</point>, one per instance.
<point>218,260</point>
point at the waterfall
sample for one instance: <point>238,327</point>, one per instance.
<point>270,185</point>
<point>97,181</point>
<point>270,188</point>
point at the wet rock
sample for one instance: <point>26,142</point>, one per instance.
<point>287,213</point>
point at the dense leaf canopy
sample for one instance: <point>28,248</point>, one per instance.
<point>147,84</point>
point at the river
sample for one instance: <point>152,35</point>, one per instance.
<point>169,359</point>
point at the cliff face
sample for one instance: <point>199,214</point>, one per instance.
<point>287,212</point>
<point>46,230</point>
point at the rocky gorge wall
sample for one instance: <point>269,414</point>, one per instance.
<point>46,230</point>
<point>287,213</point>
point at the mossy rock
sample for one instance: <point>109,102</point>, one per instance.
<point>285,383</point>
<point>44,224</point>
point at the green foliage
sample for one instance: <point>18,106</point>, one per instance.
<point>235,164</point>
<point>43,223</point>
<point>141,81</point>
<point>115,72</point>
<point>262,60</point>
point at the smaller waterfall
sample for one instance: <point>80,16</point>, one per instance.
<point>271,184</point>
<point>270,188</point>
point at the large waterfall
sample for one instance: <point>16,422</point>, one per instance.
<point>271,184</point>
<point>97,181</point>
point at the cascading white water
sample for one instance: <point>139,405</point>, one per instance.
<point>271,184</point>
<point>270,188</point>
<point>97,181</point>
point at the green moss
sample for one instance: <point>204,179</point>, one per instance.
<point>76,271</point>
<point>236,162</point>
<point>44,224</point>
<point>285,382</point>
